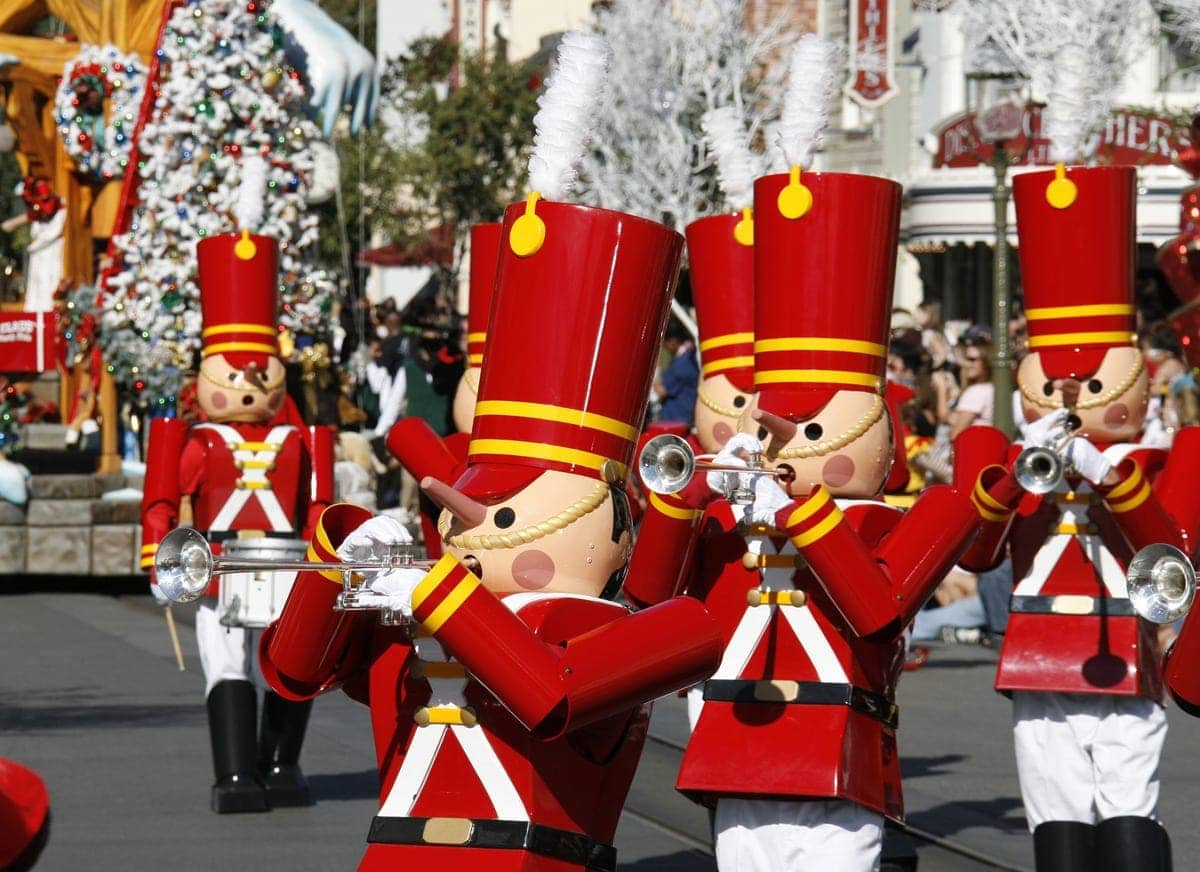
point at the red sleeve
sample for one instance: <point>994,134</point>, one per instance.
<point>994,497</point>
<point>1138,511</point>
<point>665,549</point>
<point>553,689</point>
<point>319,443</point>
<point>161,490</point>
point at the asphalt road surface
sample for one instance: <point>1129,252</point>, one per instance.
<point>91,698</point>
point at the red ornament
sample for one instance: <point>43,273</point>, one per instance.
<point>139,385</point>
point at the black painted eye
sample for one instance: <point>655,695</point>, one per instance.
<point>762,433</point>
<point>1048,388</point>
<point>739,401</point>
<point>232,377</point>
<point>504,518</point>
<point>813,431</point>
<point>1095,386</point>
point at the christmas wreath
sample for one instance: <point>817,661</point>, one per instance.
<point>98,73</point>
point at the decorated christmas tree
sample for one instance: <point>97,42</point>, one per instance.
<point>225,94</point>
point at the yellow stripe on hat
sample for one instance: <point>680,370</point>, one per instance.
<point>817,343</point>
<point>222,347</point>
<point>561,414</point>
<point>238,328</point>
<point>541,451</point>
<point>728,363</point>
<point>1098,309</point>
<point>1097,337</point>
<point>817,376</point>
<point>726,339</point>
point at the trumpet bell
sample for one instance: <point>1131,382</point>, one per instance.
<point>1038,469</point>
<point>666,464</point>
<point>183,565</point>
<point>1161,582</point>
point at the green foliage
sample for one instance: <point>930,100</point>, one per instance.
<point>460,155</point>
<point>347,14</point>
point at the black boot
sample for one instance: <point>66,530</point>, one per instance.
<point>1064,846</point>
<point>1132,844</point>
<point>279,742</point>
<point>231,716</point>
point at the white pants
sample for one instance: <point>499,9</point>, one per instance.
<point>226,653</point>
<point>1087,757</point>
<point>768,835</point>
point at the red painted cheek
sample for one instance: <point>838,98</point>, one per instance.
<point>1116,415</point>
<point>837,471</point>
<point>275,401</point>
<point>218,400</point>
<point>533,570</point>
<point>722,433</point>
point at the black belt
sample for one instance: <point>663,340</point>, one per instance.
<point>550,842</point>
<point>866,702</point>
<point>226,535</point>
<point>1069,604</point>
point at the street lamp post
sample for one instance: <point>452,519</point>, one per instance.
<point>998,101</point>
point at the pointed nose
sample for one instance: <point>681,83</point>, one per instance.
<point>468,512</point>
<point>782,430</point>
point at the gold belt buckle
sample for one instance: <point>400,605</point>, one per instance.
<point>448,831</point>
<point>776,690</point>
<point>1071,604</point>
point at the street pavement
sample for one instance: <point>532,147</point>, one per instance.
<point>91,698</point>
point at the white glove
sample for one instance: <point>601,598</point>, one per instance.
<point>1087,460</point>
<point>769,498</point>
<point>339,70</point>
<point>1042,431</point>
<point>728,457</point>
<point>398,586</point>
<point>159,596</point>
<point>373,539</point>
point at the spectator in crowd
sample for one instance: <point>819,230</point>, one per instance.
<point>974,404</point>
<point>675,385</point>
<point>928,318</point>
<point>1164,362</point>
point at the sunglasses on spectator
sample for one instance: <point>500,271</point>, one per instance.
<point>970,359</point>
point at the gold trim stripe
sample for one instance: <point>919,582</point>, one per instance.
<point>475,359</point>
<point>313,557</point>
<point>447,607</point>
<point>237,328</point>
<point>436,576</point>
<point>561,414</point>
<point>815,343</point>
<point>1132,503</point>
<point>809,507</point>
<point>477,337</point>
<point>676,512</point>
<point>1099,309</point>
<point>726,339</point>
<point>988,514</point>
<point>222,347</point>
<point>541,451</point>
<point>817,376</point>
<point>1124,488</point>
<point>149,549</point>
<point>1121,337</point>
<point>988,500</point>
<point>808,537</point>
<point>728,363</point>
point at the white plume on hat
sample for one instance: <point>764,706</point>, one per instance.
<point>737,166</point>
<point>811,87</point>
<point>251,199</point>
<point>567,112</point>
<point>1071,110</point>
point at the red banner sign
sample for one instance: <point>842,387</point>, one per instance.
<point>871,82</point>
<point>1129,138</point>
<point>27,341</point>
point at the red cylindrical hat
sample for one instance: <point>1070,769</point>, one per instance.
<point>823,290</point>
<point>575,330</point>
<point>722,276</point>
<point>1077,265</point>
<point>238,277</point>
<point>485,246</point>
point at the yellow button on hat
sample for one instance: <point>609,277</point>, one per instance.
<point>795,199</point>
<point>1061,192</point>
<point>743,231</point>
<point>529,231</point>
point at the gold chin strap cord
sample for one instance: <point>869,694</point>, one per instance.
<point>819,449</point>
<point>1091,402</point>
<point>586,504</point>
<point>710,403</point>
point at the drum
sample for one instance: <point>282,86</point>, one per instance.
<point>254,599</point>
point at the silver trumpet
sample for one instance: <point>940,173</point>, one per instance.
<point>667,465</point>
<point>1161,582</point>
<point>1039,468</point>
<point>184,565</point>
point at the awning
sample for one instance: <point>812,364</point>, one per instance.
<point>436,248</point>
<point>948,206</point>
